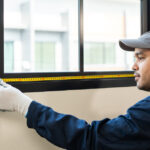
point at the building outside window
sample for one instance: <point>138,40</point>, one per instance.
<point>107,21</point>
<point>43,21</point>
<point>45,35</point>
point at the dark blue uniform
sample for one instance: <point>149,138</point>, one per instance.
<point>126,132</point>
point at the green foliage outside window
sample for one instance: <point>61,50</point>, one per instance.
<point>99,53</point>
<point>44,56</point>
<point>9,56</point>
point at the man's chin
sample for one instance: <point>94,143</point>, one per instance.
<point>144,88</point>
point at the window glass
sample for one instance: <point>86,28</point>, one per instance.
<point>44,56</point>
<point>105,22</point>
<point>99,53</point>
<point>45,35</point>
<point>9,56</point>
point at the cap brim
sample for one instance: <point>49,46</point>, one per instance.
<point>130,44</point>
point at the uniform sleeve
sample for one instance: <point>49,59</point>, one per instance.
<point>126,132</point>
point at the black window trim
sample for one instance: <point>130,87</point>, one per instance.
<point>55,85</point>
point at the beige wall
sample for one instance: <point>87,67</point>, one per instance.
<point>94,104</point>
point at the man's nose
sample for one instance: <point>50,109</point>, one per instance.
<point>135,66</point>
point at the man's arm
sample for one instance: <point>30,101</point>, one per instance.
<point>126,132</point>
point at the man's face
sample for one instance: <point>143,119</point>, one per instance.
<point>142,68</point>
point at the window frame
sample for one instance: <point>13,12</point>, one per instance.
<point>80,83</point>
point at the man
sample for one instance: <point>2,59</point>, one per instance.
<point>126,132</point>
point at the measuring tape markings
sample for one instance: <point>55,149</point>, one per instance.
<point>65,78</point>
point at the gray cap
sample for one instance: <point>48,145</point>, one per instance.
<point>130,44</point>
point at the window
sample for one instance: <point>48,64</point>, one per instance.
<point>43,21</point>
<point>107,21</point>
<point>69,44</point>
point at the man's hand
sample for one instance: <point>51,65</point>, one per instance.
<point>12,99</point>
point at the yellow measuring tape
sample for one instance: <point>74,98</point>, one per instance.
<point>65,78</point>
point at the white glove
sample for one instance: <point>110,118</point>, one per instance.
<point>11,99</point>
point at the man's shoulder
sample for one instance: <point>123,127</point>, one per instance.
<point>147,98</point>
<point>143,104</point>
<point>144,100</point>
